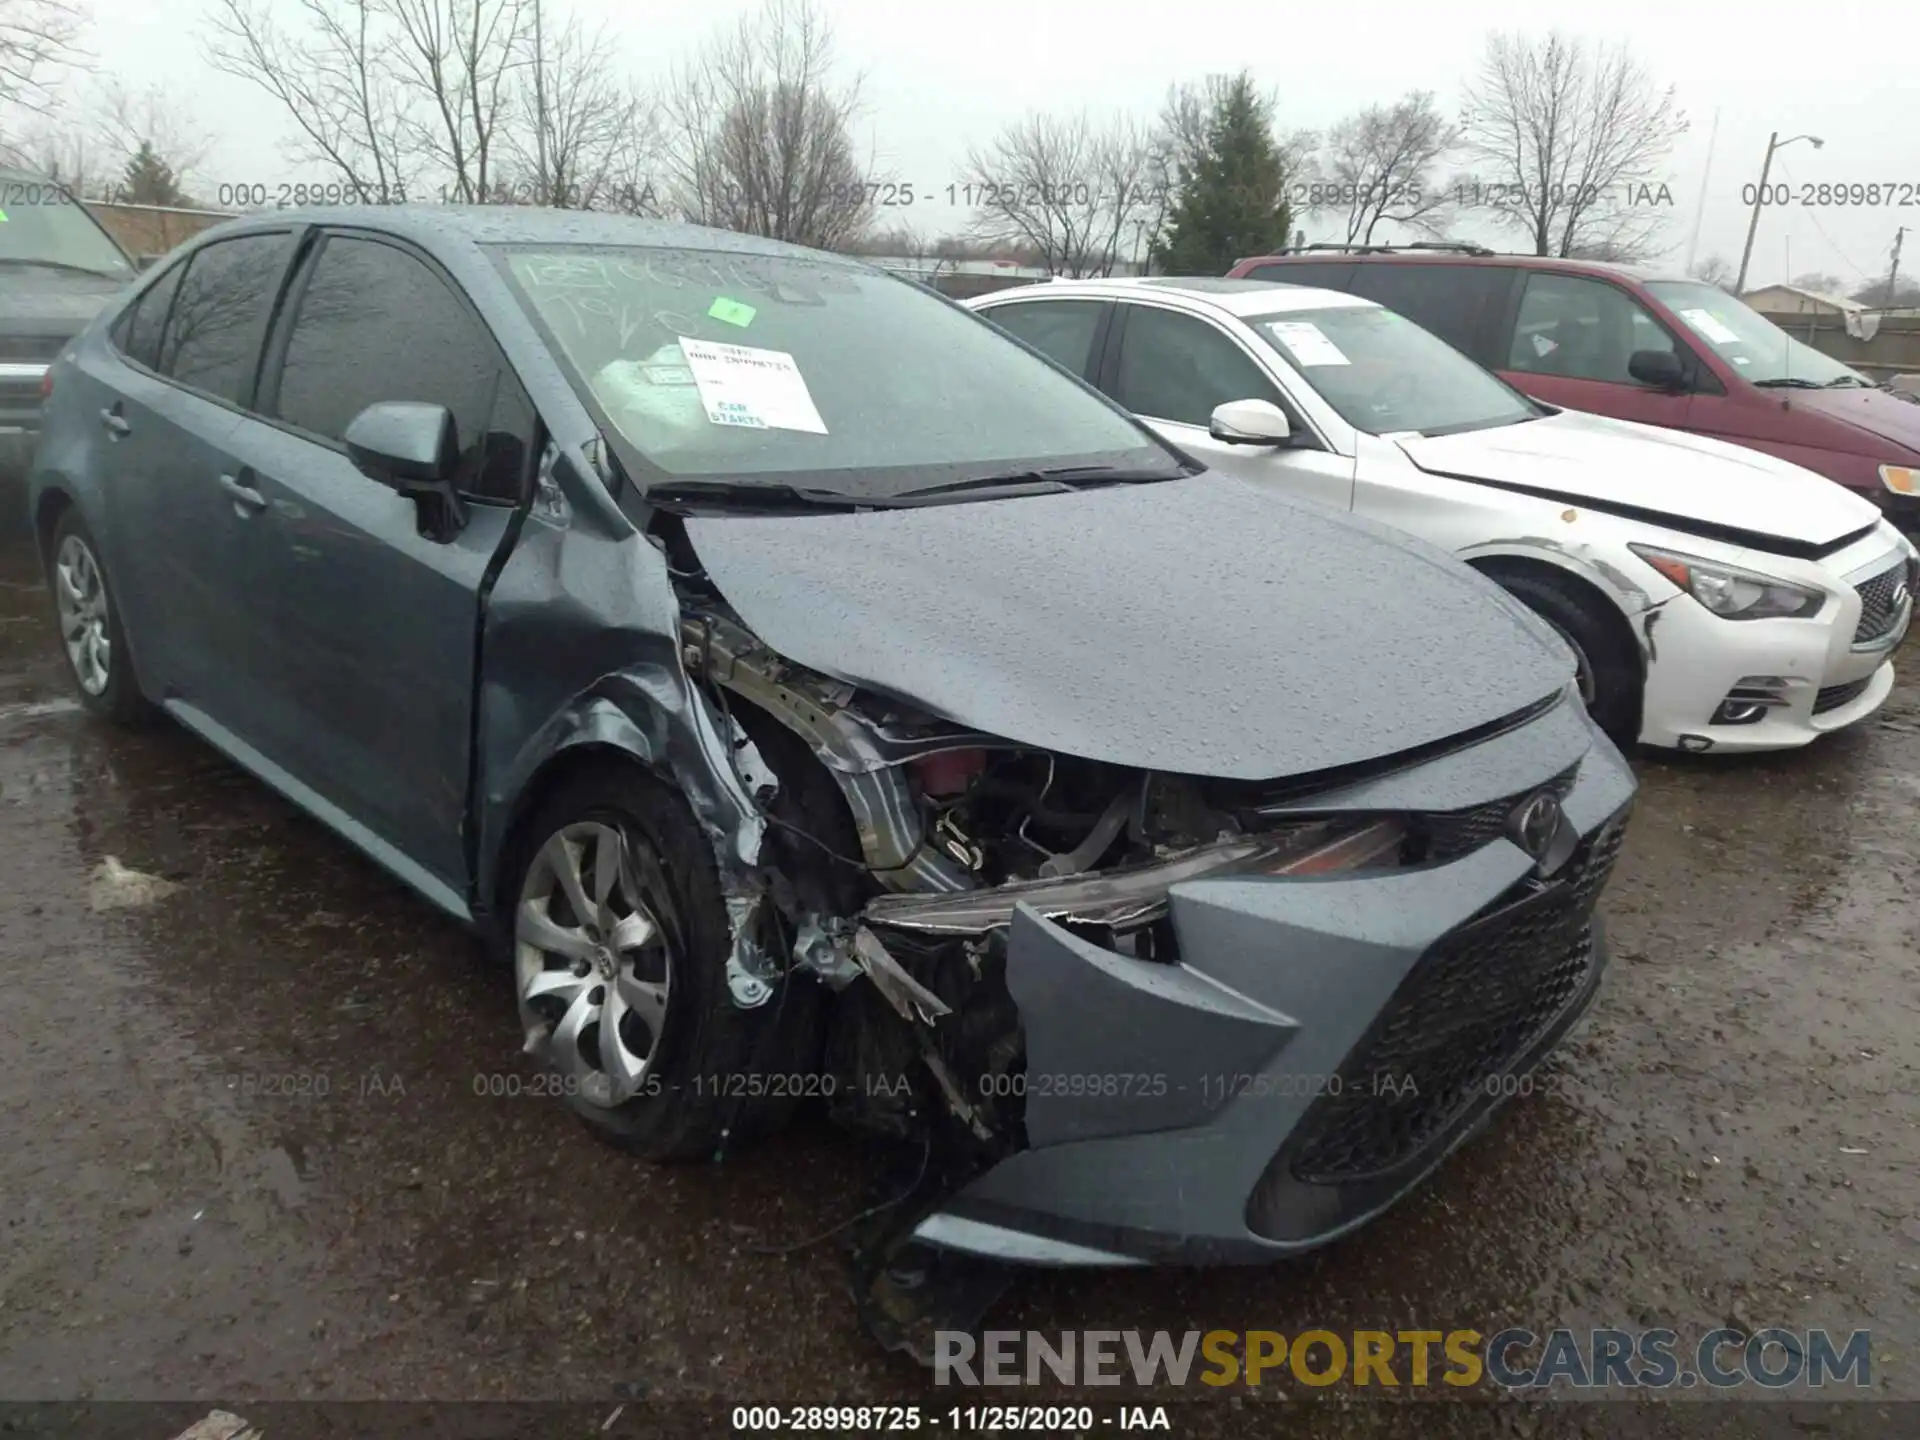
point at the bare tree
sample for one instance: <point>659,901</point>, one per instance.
<point>157,118</point>
<point>336,80</point>
<point>1382,164</point>
<point>1714,270</point>
<point>1566,134</point>
<point>1821,283</point>
<point>457,60</point>
<point>39,42</point>
<point>62,149</point>
<point>760,133</point>
<point>1083,197</point>
<point>583,137</point>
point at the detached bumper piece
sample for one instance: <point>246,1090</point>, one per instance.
<point>1485,1002</point>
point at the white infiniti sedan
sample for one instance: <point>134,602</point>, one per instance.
<point>1715,598</point>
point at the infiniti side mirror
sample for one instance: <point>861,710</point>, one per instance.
<point>1250,422</point>
<point>411,447</point>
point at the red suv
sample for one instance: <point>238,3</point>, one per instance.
<point>1625,342</point>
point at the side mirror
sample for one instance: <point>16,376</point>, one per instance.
<point>1250,422</point>
<point>411,447</point>
<point>1659,368</point>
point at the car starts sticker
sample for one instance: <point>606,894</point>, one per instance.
<point>1306,343</point>
<point>759,389</point>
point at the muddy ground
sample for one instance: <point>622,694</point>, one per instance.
<point>1732,1137</point>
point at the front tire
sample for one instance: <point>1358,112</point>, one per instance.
<point>90,631</point>
<point>1608,665</point>
<point>620,942</point>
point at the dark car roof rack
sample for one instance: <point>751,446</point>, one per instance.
<point>1451,247</point>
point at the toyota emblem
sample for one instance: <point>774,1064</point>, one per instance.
<point>1536,822</point>
<point>1900,594</point>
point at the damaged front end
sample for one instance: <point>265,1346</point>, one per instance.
<point>1134,1016</point>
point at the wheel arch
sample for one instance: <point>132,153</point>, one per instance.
<point>49,506</point>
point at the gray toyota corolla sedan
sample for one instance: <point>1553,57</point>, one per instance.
<point>813,694</point>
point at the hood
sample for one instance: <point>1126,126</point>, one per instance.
<point>1194,625</point>
<point>1880,415</point>
<point>34,301</point>
<point>1666,473</point>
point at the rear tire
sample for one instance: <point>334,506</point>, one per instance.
<point>1609,674</point>
<point>648,964</point>
<point>90,633</point>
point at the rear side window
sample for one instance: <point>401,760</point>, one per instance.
<point>375,323</point>
<point>1062,330</point>
<point>1450,300</point>
<point>138,333</point>
<point>1320,274</point>
<point>219,315</point>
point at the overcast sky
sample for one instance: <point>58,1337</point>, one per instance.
<point>941,77</point>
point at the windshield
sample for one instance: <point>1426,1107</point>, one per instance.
<point>796,372</point>
<point>40,222</point>
<point>1759,349</point>
<point>1386,375</point>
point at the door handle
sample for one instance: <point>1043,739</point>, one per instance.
<point>115,423</point>
<point>246,500</point>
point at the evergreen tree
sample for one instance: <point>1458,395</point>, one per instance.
<point>149,180</point>
<point>1233,196</point>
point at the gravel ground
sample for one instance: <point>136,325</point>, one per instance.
<point>249,1149</point>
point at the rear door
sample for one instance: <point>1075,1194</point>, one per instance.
<point>183,531</point>
<point>376,625</point>
<point>1172,368</point>
<point>1570,342</point>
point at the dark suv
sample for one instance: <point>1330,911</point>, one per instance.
<point>1637,345</point>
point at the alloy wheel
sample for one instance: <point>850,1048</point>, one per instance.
<point>592,961</point>
<point>80,595</point>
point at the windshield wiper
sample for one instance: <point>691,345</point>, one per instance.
<point>66,265</point>
<point>1044,482</point>
<point>1787,382</point>
<point>1849,382</point>
<point>745,495</point>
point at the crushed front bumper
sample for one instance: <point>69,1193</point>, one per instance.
<point>1321,1045</point>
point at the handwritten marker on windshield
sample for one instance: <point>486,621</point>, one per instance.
<point>731,311</point>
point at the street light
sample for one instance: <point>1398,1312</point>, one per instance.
<point>1774,142</point>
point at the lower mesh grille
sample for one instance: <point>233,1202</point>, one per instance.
<point>1834,696</point>
<point>1473,1004</point>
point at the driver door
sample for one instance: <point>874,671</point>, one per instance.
<point>1572,338</point>
<point>1172,368</point>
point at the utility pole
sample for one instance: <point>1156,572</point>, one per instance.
<point>1893,270</point>
<point>1774,142</point>
<point>1706,174</point>
<point>540,101</point>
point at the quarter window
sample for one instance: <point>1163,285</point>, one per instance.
<point>141,327</point>
<point>1181,368</point>
<point>1062,330</point>
<point>375,323</point>
<point>219,315</point>
<point>1582,329</point>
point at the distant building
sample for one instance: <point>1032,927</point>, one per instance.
<point>1792,300</point>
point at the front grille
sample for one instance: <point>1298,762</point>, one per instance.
<point>1453,833</point>
<point>1475,1003</point>
<point>1878,611</point>
<point>1834,696</point>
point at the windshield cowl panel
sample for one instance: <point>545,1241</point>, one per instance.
<point>807,373</point>
<point>1383,374</point>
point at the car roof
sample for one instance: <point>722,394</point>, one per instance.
<point>1615,268</point>
<point>435,226</point>
<point>1235,297</point>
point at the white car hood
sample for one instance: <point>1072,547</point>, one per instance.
<point>1658,473</point>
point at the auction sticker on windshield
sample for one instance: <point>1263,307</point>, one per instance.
<point>1306,342</point>
<point>758,389</point>
<point>1705,322</point>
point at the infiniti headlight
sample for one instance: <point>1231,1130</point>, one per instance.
<point>1730,592</point>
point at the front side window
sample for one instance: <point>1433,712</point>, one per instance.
<point>219,315</point>
<point>1385,375</point>
<point>801,371</point>
<point>1062,330</point>
<point>1182,368</point>
<point>1582,329</point>
<point>45,226</point>
<point>1759,349</point>
<point>375,323</point>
